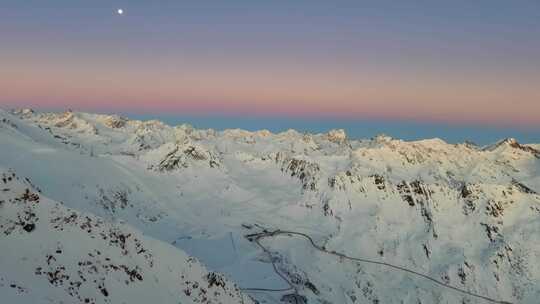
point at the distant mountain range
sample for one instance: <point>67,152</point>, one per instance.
<point>104,209</point>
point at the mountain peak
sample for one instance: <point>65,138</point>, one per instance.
<point>337,135</point>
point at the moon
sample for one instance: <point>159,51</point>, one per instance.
<point>120,11</point>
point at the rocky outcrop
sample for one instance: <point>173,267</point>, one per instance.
<point>513,143</point>
<point>337,136</point>
<point>305,171</point>
<point>184,156</point>
<point>72,257</point>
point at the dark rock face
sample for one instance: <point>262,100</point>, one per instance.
<point>307,172</point>
<point>182,157</point>
<point>312,287</point>
<point>469,195</point>
<point>347,181</point>
<point>294,299</point>
<point>522,188</point>
<point>29,227</point>
<point>215,279</point>
<point>516,145</point>
<point>406,194</point>
<point>113,199</point>
<point>379,181</point>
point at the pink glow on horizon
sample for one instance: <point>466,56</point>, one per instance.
<point>269,89</point>
<point>321,111</point>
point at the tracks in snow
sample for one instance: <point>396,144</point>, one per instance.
<point>256,237</point>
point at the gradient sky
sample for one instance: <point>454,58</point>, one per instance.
<point>452,63</point>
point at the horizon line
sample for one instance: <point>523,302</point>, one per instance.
<point>366,117</point>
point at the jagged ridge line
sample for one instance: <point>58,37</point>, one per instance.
<point>259,236</point>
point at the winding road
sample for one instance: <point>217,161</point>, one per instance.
<point>256,237</point>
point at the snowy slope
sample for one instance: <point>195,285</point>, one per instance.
<point>464,215</point>
<point>53,254</point>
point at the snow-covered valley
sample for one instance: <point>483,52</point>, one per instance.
<point>77,183</point>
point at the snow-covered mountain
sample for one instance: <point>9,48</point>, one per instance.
<point>465,219</point>
<point>54,254</point>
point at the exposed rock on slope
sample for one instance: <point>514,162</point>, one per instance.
<point>51,253</point>
<point>183,156</point>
